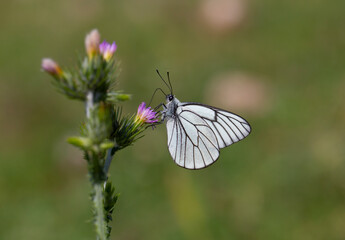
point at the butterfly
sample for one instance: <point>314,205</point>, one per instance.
<point>196,132</point>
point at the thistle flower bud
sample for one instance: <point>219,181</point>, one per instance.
<point>107,50</point>
<point>51,67</point>
<point>92,41</point>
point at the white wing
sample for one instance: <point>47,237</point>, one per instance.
<point>198,131</point>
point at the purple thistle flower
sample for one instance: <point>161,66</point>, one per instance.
<point>107,49</point>
<point>145,115</point>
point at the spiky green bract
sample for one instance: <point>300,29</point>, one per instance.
<point>69,85</point>
<point>94,75</point>
<point>125,130</point>
<point>110,199</point>
<point>97,74</point>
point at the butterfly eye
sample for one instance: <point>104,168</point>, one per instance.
<point>171,98</point>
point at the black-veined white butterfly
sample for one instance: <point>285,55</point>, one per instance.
<point>196,132</point>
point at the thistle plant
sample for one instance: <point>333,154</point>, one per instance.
<point>105,129</point>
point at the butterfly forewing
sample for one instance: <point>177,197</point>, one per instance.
<point>197,132</point>
<point>228,127</point>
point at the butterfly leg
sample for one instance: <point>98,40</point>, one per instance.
<point>153,125</point>
<point>160,114</point>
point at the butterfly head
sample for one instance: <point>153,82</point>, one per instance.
<point>170,98</point>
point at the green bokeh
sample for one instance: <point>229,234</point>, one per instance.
<point>286,181</point>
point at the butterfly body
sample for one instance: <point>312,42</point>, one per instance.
<point>197,132</point>
<point>169,110</point>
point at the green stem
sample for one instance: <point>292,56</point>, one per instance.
<point>97,181</point>
<point>100,223</point>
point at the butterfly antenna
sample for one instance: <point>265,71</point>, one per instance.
<point>163,79</point>
<point>171,89</point>
<point>155,93</point>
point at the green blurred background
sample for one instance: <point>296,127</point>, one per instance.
<point>279,64</point>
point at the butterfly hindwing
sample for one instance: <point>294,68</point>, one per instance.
<point>191,142</point>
